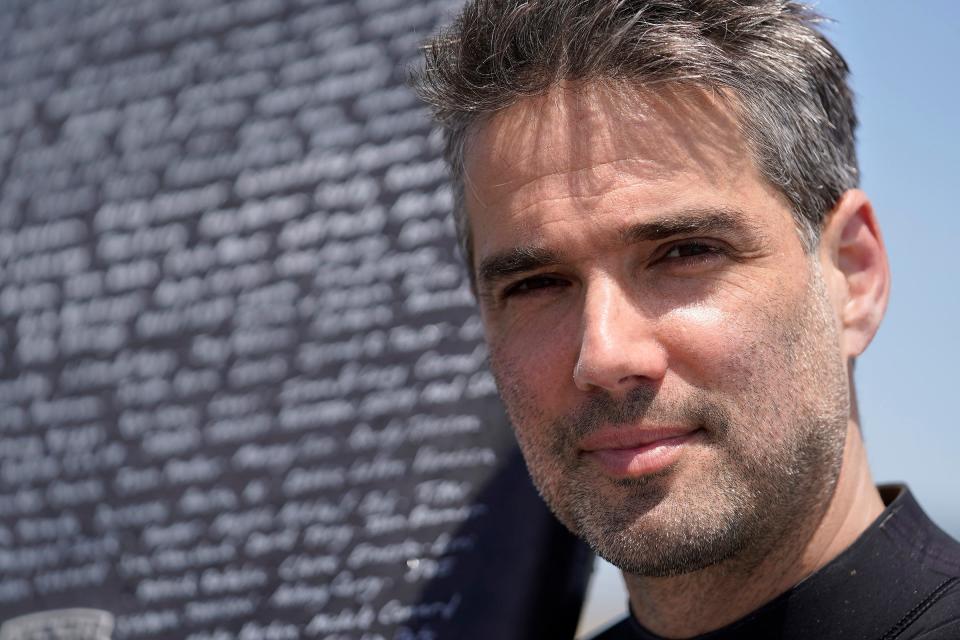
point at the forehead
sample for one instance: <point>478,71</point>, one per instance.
<point>577,127</point>
<point>581,153</point>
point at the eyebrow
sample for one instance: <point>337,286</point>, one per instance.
<point>691,221</point>
<point>523,259</point>
<point>516,260</point>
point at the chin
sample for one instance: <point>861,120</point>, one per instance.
<point>653,526</point>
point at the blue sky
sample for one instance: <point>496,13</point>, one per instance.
<point>904,57</point>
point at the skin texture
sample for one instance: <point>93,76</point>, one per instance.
<point>637,278</point>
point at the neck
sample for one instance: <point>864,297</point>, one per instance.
<point>688,605</point>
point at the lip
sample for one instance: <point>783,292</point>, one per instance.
<point>631,453</point>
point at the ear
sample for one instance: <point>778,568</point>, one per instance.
<point>856,270</point>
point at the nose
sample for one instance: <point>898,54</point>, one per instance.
<point>619,348</point>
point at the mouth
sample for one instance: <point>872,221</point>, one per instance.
<point>632,453</point>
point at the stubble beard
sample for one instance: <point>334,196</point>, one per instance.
<point>777,455</point>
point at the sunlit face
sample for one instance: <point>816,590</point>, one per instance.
<point>662,342</point>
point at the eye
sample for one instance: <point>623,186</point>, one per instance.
<point>693,250</point>
<point>531,285</point>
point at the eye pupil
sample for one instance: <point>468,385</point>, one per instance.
<point>534,283</point>
<point>690,249</point>
<point>530,285</point>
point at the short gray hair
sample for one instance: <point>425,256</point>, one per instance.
<point>796,109</point>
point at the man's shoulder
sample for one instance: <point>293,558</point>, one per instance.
<point>937,615</point>
<point>917,537</point>
<point>940,620</point>
<point>901,580</point>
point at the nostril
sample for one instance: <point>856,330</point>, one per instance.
<point>620,366</point>
<point>619,343</point>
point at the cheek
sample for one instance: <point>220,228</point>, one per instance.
<point>738,357</point>
<point>530,383</point>
<point>534,354</point>
<point>698,318</point>
<point>707,343</point>
<point>532,368</point>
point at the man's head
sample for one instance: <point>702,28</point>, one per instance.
<point>673,354</point>
<point>763,55</point>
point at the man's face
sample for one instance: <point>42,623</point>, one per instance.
<point>664,345</point>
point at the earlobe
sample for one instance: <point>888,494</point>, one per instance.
<point>852,246</point>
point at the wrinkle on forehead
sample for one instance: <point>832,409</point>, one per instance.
<point>587,137</point>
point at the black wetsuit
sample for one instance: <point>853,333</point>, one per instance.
<point>900,580</point>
